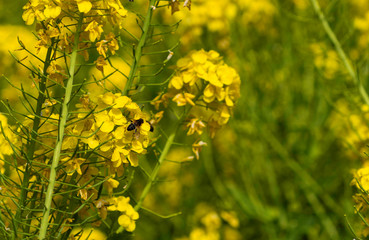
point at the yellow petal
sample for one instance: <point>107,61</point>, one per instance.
<point>177,82</point>
<point>52,11</point>
<point>124,221</point>
<point>137,146</point>
<point>132,106</point>
<point>108,98</point>
<point>199,57</point>
<point>121,101</point>
<point>145,127</point>
<point>209,91</point>
<point>113,183</point>
<point>116,157</point>
<point>214,80</point>
<point>188,78</point>
<point>119,132</point>
<point>107,126</point>
<point>28,16</point>
<point>92,142</point>
<point>84,6</point>
<point>133,159</point>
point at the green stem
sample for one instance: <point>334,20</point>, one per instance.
<point>138,50</point>
<point>32,143</point>
<point>154,173</point>
<point>339,50</point>
<point>59,140</point>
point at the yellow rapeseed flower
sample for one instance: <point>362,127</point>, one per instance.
<point>128,216</point>
<point>361,177</point>
<point>94,29</point>
<point>84,6</point>
<point>203,80</point>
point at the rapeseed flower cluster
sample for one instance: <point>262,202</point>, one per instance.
<point>100,127</point>
<point>209,86</point>
<point>57,21</point>
<point>352,126</point>
<point>361,182</point>
<point>206,83</point>
<point>113,114</point>
<point>361,177</point>
<point>128,216</point>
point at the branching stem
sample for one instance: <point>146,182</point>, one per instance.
<point>31,144</point>
<point>59,140</point>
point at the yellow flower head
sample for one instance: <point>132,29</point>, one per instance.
<point>60,17</point>
<point>361,180</point>
<point>118,116</point>
<point>128,215</point>
<point>204,81</point>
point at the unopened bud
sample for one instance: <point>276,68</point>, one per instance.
<point>170,55</point>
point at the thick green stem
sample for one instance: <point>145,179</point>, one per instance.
<point>59,140</point>
<point>140,45</point>
<point>339,50</point>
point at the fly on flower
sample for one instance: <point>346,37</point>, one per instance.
<point>137,123</point>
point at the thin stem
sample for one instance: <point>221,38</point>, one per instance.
<point>339,50</point>
<point>154,173</point>
<point>59,141</point>
<point>138,50</point>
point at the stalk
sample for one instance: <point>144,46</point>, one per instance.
<point>154,173</point>
<point>59,140</point>
<point>138,50</point>
<point>339,50</point>
<point>32,143</point>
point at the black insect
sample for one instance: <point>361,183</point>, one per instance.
<point>131,0</point>
<point>137,123</point>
